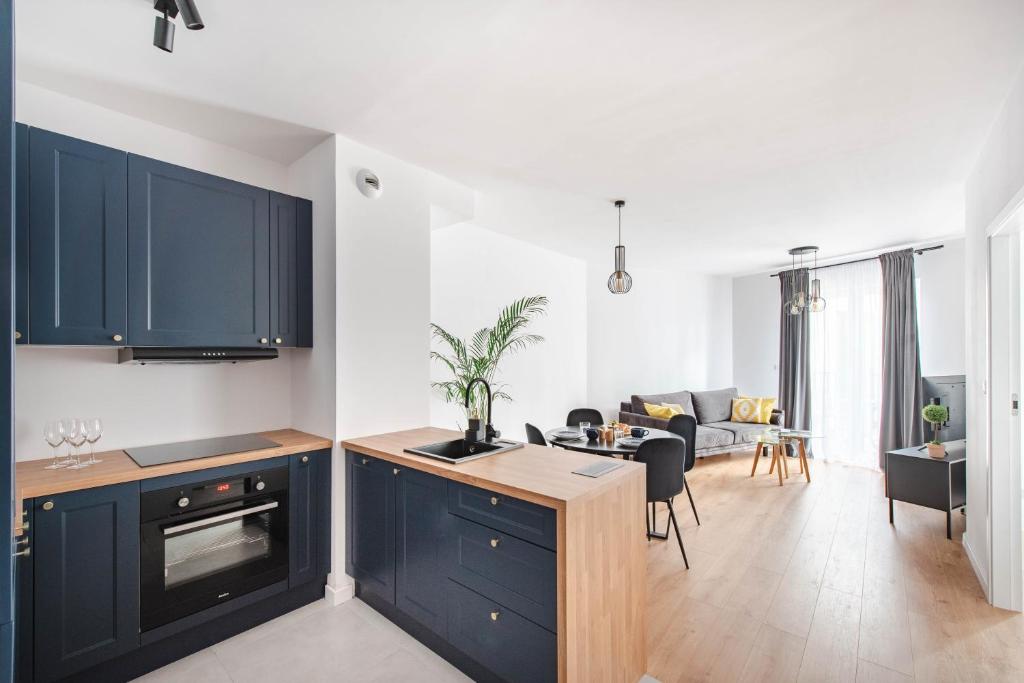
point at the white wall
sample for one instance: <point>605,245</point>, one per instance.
<point>755,318</point>
<point>150,404</point>
<point>994,189</point>
<point>474,274</point>
<point>672,331</point>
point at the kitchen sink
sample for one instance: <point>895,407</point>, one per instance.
<point>460,450</point>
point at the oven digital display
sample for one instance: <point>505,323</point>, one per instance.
<point>224,487</point>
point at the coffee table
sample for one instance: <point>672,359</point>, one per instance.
<point>777,439</point>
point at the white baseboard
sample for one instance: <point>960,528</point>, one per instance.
<point>982,576</point>
<point>335,595</point>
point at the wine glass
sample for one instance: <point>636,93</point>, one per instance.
<point>53,432</point>
<point>74,434</point>
<point>93,432</point>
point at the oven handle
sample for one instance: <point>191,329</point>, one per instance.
<point>206,521</point>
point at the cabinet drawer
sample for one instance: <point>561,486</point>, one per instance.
<point>515,573</point>
<point>528,521</point>
<point>504,642</point>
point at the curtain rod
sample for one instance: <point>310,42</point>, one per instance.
<point>869,258</point>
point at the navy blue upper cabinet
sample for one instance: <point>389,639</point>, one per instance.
<point>21,228</point>
<point>422,504</point>
<point>198,250</point>
<point>78,235</point>
<point>290,271</point>
<point>309,516</point>
<point>86,561</point>
<point>370,494</point>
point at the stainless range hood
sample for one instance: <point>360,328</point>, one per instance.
<point>144,355</point>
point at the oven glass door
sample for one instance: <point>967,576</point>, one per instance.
<point>196,562</point>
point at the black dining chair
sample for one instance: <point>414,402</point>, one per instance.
<point>665,460</point>
<point>535,436</point>
<point>577,415</point>
<point>686,427</point>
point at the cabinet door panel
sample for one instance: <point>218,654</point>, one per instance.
<point>77,240</point>
<point>284,303</point>
<point>198,258</point>
<point>86,557</point>
<point>304,271</point>
<point>21,228</point>
<point>370,556</point>
<point>308,491</point>
<point>420,546</point>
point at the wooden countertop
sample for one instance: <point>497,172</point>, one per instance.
<point>32,479</point>
<point>536,473</point>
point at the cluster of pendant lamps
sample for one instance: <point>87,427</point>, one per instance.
<point>805,301</point>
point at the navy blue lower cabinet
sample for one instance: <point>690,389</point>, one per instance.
<point>309,516</point>
<point>420,547</point>
<point>86,585</point>
<point>513,647</point>
<point>370,537</point>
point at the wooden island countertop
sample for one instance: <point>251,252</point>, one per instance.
<point>601,544</point>
<point>32,479</point>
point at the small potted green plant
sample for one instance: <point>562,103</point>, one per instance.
<point>937,415</point>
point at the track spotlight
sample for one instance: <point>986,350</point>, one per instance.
<point>163,30</point>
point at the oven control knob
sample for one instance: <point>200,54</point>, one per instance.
<point>260,485</point>
<point>183,502</point>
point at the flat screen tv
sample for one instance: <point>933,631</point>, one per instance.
<point>951,391</point>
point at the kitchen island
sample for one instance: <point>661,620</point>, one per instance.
<point>500,562</point>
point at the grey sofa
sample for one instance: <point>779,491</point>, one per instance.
<point>715,432</point>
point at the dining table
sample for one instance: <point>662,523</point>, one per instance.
<point>598,447</point>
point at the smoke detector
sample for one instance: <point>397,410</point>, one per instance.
<point>368,183</point>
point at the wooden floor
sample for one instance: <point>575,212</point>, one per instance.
<point>809,582</point>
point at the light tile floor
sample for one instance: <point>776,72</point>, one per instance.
<point>350,642</point>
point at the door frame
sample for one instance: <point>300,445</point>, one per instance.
<point>1004,373</point>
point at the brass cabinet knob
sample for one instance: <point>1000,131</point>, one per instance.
<point>494,500</point>
<point>395,470</point>
<point>17,335</point>
<point>366,461</point>
<point>118,337</point>
<point>305,458</point>
<point>263,340</point>
<point>48,505</point>
<point>495,615</point>
<point>495,542</point>
<point>278,340</point>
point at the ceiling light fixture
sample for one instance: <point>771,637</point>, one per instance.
<point>801,302</point>
<point>163,28</point>
<point>619,282</point>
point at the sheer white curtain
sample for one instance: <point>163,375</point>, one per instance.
<point>846,364</point>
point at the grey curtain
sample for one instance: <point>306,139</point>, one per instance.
<point>901,356</point>
<point>794,353</point>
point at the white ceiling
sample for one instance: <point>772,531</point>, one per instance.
<point>734,129</point>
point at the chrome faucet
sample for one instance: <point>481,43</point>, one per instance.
<point>489,431</point>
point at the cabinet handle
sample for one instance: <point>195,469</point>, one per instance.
<point>17,335</point>
<point>494,615</point>
<point>396,470</point>
<point>48,505</point>
<point>118,337</point>
<point>263,340</point>
<point>278,340</point>
<point>305,458</point>
<point>24,553</point>
<point>494,500</point>
<point>495,542</point>
<point>366,461</point>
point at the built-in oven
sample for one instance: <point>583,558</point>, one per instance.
<point>209,542</point>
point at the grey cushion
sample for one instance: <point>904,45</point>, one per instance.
<point>683,398</point>
<point>714,406</point>
<point>708,437</point>
<point>746,432</point>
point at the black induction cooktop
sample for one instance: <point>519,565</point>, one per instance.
<point>147,456</point>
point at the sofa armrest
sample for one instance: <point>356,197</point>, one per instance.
<point>625,407</point>
<point>636,420</point>
<point>778,418</point>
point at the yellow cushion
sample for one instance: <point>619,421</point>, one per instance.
<point>658,411</point>
<point>753,410</point>
<point>678,409</point>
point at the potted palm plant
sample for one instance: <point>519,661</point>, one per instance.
<point>480,355</point>
<point>937,415</point>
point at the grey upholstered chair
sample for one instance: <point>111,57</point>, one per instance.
<point>665,460</point>
<point>577,415</point>
<point>535,436</point>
